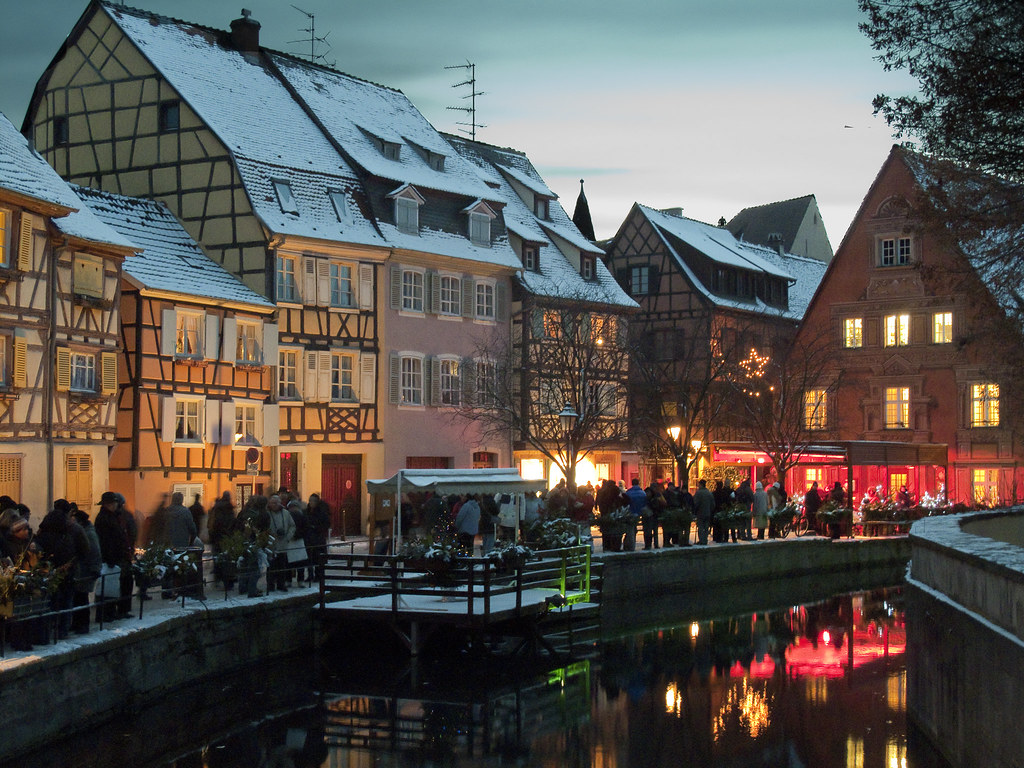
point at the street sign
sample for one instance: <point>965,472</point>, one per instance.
<point>252,455</point>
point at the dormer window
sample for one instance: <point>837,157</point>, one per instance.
<point>285,198</point>
<point>61,137</point>
<point>407,209</point>
<point>531,257</point>
<point>480,216</point>
<point>390,149</point>
<point>588,268</point>
<point>340,202</point>
<point>540,207</point>
<point>434,159</point>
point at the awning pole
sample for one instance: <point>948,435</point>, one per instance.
<point>396,529</point>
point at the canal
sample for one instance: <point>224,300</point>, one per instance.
<point>820,684</point>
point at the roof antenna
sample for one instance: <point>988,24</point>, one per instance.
<point>473,93</point>
<point>314,57</point>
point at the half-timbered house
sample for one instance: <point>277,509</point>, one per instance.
<point>60,270</point>
<point>196,376</point>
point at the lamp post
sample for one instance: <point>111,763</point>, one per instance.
<point>673,433</point>
<point>567,419</point>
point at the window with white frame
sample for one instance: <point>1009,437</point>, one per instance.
<point>853,332</point>
<point>531,257</point>
<point>83,372</point>
<point>340,276</point>
<point>288,374</point>
<point>486,380</point>
<point>896,407</point>
<point>407,215</point>
<point>245,424</point>
<point>5,238</point>
<point>411,381</point>
<point>87,275</point>
<point>541,208</point>
<point>451,382</point>
<point>342,377</point>
<point>287,287</point>
<point>984,405</point>
<point>815,409</point>
<point>451,295</point>
<point>588,267</point>
<point>285,198</point>
<point>942,328</point>
<point>897,330</point>
<point>412,290</point>
<point>485,301</point>
<point>188,334</point>
<point>250,343</point>
<point>894,251</point>
<point>985,486</point>
<point>340,202</point>
<point>188,421</point>
<point>480,228</point>
<point>639,280</point>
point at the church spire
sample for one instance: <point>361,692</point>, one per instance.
<point>581,216</point>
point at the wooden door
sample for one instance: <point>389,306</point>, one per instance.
<point>341,488</point>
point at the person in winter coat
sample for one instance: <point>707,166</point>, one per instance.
<point>467,522</point>
<point>222,523</point>
<point>282,528</point>
<point>704,510</point>
<point>62,543</point>
<point>636,497</point>
<point>87,570</point>
<point>116,549</point>
<point>297,554</point>
<point>318,528</point>
<point>745,498</point>
<point>760,509</point>
<point>776,501</point>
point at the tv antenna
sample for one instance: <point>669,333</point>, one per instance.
<point>313,39</point>
<point>472,125</point>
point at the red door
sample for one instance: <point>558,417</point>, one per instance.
<point>340,487</point>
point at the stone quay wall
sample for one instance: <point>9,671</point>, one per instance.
<point>965,643</point>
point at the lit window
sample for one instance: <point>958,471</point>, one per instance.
<point>249,348</point>
<point>287,374</point>
<point>451,295</point>
<point>245,424</point>
<point>984,405</point>
<point>815,409</point>
<point>895,251</point>
<point>342,388</point>
<point>531,257</point>
<point>897,330</point>
<point>287,289</point>
<point>480,229</point>
<point>411,382</point>
<point>412,290</point>
<point>552,324</point>
<point>942,328</point>
<point>188,336</point>
<point>170,116</point>
<point>485,301</point>
<point>87,275</point>
<point>485,383</point>
<point>897,407</point>
<point>341,285</point>
<point>285,198</point>
<point>340,202</point>
<point>5,238</point>
<point>853,332</point>
<point>451,384</point>
<point>639,280</point>
<point>985,484</point>
<point>407,215</point>
<point>187,420</point>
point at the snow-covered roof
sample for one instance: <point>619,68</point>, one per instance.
<point>721,246</point>
<point>24,171</point>
<point>558,278</point>
<point>533,184</point>
<point>170,260</point>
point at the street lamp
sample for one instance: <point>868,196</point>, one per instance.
<point>673,432</point>
<point>567,420</point>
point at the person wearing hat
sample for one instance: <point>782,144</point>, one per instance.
<point>15,535</point>
<point>116,550</point>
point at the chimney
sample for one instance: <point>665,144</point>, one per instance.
<point>775,241</point>
<point>245,33</point>
<point>677,212</point>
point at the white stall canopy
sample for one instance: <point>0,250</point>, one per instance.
<point>447,481</point>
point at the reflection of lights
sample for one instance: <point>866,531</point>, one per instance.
<point>673,700</point>
<point>854,752</point>
<point>817,690</point>
<point>895,753</point>
<point>896,691</point>
<point>749,706</point>
<point>826,637</point>
<point>694,630</point>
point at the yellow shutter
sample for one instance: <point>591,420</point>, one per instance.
<point>63,369</point>
<point>78,480</point>
<point>108,372</point>
<point>20,377</point>
<point>25,243</point>
<point>10,476</point>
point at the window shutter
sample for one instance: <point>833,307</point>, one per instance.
<point>393,383</point>
<point>468,297</point>
<point>537,322</point>
<point>366,286</point>
<point>396,286</point>
<point>167,419</point>
<point>654,280</point>
<point>623,331</point>
<point>25,243</point>
<point>368,378</point>
<point>227,421</point>
<point>210,426</point>
<point>323,283</point>
<point>585,327</point>
<point>309,378</point>
<point>19,376</point>
<point>270,344</point>
<point>501,302</point>
<point>108,373</point>
<point>211,339</point>
<point>433,291</point>
<point>168,332</point>
<point>271,424</point>
<point>229,345</point>
<point>324,376</point>
<point>63,369</point>
<point>434,365</point>
<point>468,370</point>
<point>309,281</point>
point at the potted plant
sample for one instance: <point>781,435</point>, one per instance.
<point>833,516</point>
<point>509,556</point>
<point>781,517</point>
<point>556,533</point>
<point>613,527</point>
<point>676,521</point>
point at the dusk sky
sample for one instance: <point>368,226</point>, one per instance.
<point>708,105</point>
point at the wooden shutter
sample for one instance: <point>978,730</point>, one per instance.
<point>323,377</point>
<point>25,243</point>
<point>167,413</point>
<point>368,378</point>
<point>366,286</point>
<point>270,344</point>
<point>63,372</point>
<point>227,421</point>
<point>19,374</point>
<point>432,291</point>
<point>229,345</point>
<point>108,373</point>
<point>309,281</point>
<point>468,297</point>
<point>394,391</point>
<point>10,476</point>
<point>501,302</point>
<point>78,479</point>
<point>309,377</point>
<point>271,424</point>
<point>168,332</point>
<point>211,337</point>
<point>323,283</point>
<point>209,417</point>
<point>396,286</point>
<point>434,366</point>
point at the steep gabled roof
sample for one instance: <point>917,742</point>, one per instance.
<point>169,260</point>
<point>25,172</point>
<point>557,278</point>
<point>757,223</point>
<point>721,246</point>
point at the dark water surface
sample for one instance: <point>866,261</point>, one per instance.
<point>821,685</point>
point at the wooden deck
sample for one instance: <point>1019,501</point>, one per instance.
<point>475,596</point>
